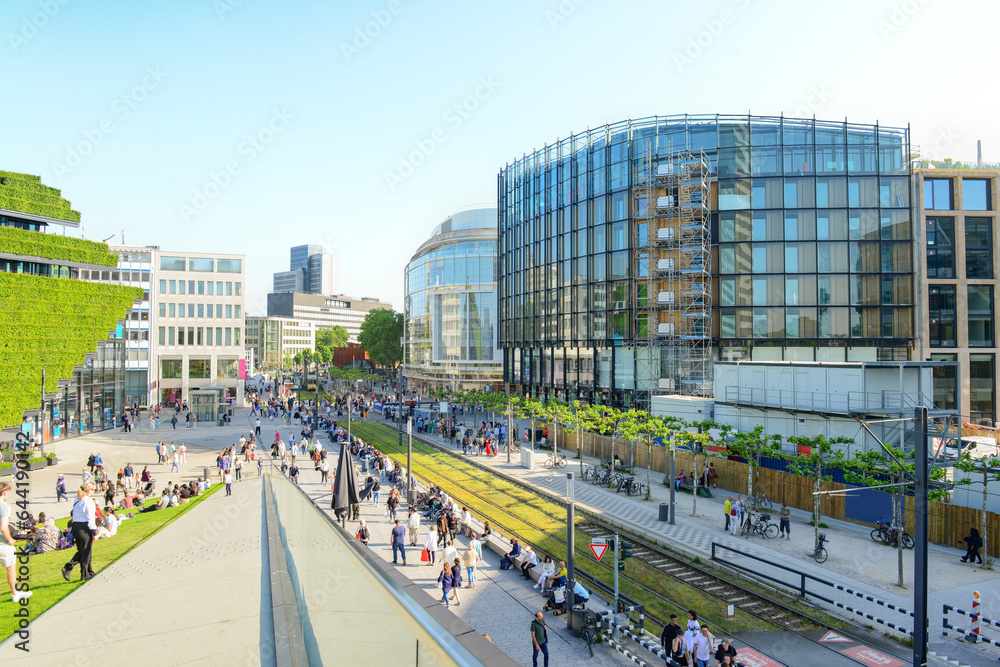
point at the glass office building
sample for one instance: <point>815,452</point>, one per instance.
<point>450,328</point>
<point>807,251</point>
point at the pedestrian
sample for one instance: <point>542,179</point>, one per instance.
<point>84,528</point>
<point>456,579</point>
<point>712,475</point>
<point>974,542</point>
<point>238,466</point>
<point>670,632</point>
<point>8,552</point>
<point>228,479</point>
<point>736,515</point>
<point>412,527</point>
<point>398,539</point>
<point>727,507</point>
<point>469,560</point>
<point>61,489</point>
<point>392,504</point>
<point>724,649</point>
<point>785,521</point>
<point>183,450</point>
<point>173,422</point>
<point>260,467</point>
<point>539,639</point>
<point>530,561</point>
<point>430,544</point>
<point>693,628</point>
<point>701,647</point>
<point>174,462</point>
<point>363,533</point>
<point>444,578</point>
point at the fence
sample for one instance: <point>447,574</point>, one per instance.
<point>947,524</point>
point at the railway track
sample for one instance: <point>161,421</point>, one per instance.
<point>770,613</point>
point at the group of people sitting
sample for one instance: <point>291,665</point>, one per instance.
<point>552,580</point>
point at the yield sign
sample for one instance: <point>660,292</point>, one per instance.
<point>598,550</point>
<point>833,637</point>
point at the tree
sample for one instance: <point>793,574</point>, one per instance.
<point>381,336</point>
<point>987,467</point>
<point>819,458</point>
<point>695,441</point>
<point>641,425</point>
<point>557,413</point>
<point>332,337</point>
<point>751,447</point>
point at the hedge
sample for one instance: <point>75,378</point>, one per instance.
<point>50,323</point>
<point>26,194</point>
<point>51,246</point>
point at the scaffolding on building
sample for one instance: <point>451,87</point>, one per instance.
<point>672,274</point>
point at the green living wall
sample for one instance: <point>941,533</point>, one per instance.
<point>51,246</point>
<point>25,193</point>
<point>50,323</point>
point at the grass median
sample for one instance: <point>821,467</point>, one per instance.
<point>46,581</point>
<point>537,521</point>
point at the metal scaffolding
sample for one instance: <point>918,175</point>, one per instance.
<point>672,274</point>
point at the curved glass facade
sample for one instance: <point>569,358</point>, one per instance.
<point>810,235</point>
<point>451,305</point>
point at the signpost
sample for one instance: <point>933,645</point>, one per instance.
<point>598,545</point>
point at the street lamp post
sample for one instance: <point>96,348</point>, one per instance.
<point>570,542</point>
<point>409,461</point>
<point>671,480</point>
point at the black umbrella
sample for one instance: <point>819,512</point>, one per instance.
<point>345,485</point>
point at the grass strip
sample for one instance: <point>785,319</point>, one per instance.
<point>46,580</point>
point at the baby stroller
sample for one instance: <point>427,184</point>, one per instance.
<point>148,489</point>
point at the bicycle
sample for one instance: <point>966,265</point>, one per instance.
<point>554,461</point>
<point>820,554</point>
<point>888,534</point>
<point>590,631</point>
<point>632,487</point>
<point>513,447</point>
<point>760,501</point>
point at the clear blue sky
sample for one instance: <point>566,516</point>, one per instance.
<point>161,95</point>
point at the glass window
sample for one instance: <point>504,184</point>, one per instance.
<point>831,192</point>
<point>201,287</point>
<point>975,194</point>
<point>619,265</point>
<point>199,368</point>
<point>171,369</point>
<point>230,266</point>
<point>980,316</point>
<point>619,236</point>
<point>190,310</point>
<point>799,193</point>
<point>218,335</point>
<point>163,287</point>
<point>171,263</point>
<point>945,383</point>
<point>173,286</point>
<point>170,335</point>
<point>937,194</point>
<point>163,310</point>
<point>229,311</point>
<point>211,288</point>
<point>767,193</point>
<point>171,307</point>
<point>862,192</point>
<point>161,336</point>
<point>208,336</point>
<point>978,248</point>
<point>229,289</point>
<point>982,388</point>
<point>190,287</point>
<point>201,310</point>
<point>940,247</point>
<point>941,313</point>
<point>229,336</point>
<point>239,288</point>
<point>734,194</point>
<point>209,310</point>
<point>201,264</point>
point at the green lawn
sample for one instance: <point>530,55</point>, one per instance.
<point>46,580</point>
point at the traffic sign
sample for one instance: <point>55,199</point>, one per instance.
<point>598,549</point>
<point>832,636</point>
<point>869,656</point>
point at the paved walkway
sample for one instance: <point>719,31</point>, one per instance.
<point>855,560</point>
<point>502,603</point>
<point>189,595</point>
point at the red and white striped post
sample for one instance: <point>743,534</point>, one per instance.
<point>977,614</point>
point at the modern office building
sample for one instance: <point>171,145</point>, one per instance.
<point>312,270</point>
<point>634,255</point>
<point>450,308</point>
<point>199,317</point>
<point>59,331</point>
<point>324,311</point>
<point>276,340</point>
<point>957,284</point>
<point>136,266</point>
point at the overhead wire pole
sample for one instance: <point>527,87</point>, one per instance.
<point>570,541</point>
<point>920,537</point>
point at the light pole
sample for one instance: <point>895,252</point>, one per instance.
<point>409,463</point>
<point>920,538</point>
<point>670,481</point>
<point>570,542</point>
<point>510,433</point>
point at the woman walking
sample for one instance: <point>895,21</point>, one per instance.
<point>469,560</point>
<point>431,543</point>
<point>83,530</point>
<point>444,578</point>
<point>456,579</point>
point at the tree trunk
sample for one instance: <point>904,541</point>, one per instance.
<point>749,479</point>
<point>649,462</point>
<point>982,533</point>
<point>816,498</point>
<point>694,473</point>
<point>579,449</point>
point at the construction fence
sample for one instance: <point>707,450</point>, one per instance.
<point>947,523</point>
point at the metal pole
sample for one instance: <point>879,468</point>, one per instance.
<point>920,537</point>
<point>409,461</point>
<point>671,480</point>
<point>570,544</point>
<point>615,602</point>
<point>510,433</point>
<point>41,415</point>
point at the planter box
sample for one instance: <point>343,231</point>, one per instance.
<point>6,471</point>
<point>37,465</point>
<point>53,461</point>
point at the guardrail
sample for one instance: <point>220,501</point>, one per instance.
<point>970,635</point>
<point>604,621</point>
<point>802,587</point>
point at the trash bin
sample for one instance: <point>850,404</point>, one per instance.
<point>207,474</point>
<point>664,511</point>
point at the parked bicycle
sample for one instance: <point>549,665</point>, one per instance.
<point>888,534</point>
<point>590,631</point>
<point>820,554</point>
<point>760,501</point>
<point>512,447</point>
<point>631,487</point>
<point>761,526</point>
<point>554,461</point>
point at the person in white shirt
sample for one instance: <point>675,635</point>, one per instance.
<point>83,530</point>
<point>465,522</point>
<point>8,554</point>
<point>548,569</point>
<point>412,526</point>
<point>450,553</point>
<point>701,647</point>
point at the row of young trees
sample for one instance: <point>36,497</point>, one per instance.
<point>815,458</point>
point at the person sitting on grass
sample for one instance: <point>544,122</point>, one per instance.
<point>46,536</point>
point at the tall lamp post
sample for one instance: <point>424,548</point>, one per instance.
<point>570,543</point>
<point>409,461</point>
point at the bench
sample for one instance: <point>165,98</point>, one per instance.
<point>703,491</point>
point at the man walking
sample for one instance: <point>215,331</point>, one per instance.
<point>670,632</point>
<point>398,538</point>
<point>412,527</point>
<point>257,428</point>
<point>727,507</point>
<point>539,639</point>
<point>8,554</point>
<point>173,422</point>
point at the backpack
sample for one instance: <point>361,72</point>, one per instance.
<point>506,563</point>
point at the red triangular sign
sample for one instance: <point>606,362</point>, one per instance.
<point>598,550</point>
<point>833,637</point>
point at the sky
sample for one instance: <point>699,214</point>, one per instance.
<point>250,126</point>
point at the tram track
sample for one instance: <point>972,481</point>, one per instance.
<point>660,563</point>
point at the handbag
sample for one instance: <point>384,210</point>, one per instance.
<point>424,556</point>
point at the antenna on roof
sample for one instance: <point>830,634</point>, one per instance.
<point>123,237</point>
